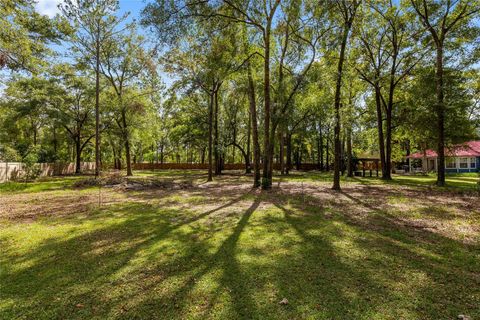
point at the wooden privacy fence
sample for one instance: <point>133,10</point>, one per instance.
<point>184,166</point>
<point>204,166</point>
<point>12,170</point>
<point>65,168</point>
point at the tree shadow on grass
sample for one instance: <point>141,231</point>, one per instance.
<point>144,261</point>
<point>68,276</point>
<point>230,280</point>
<point>79,267</point>
<point>449,280</point>
<point>372,266</point>
<point>318,279</point>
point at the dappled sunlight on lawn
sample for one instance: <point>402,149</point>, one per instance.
<point>222,250</point>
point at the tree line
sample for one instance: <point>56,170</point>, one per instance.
<point>267,83</point>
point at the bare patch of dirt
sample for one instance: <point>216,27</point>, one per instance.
<point>31,206</point>
<point>452,215</point>
<point>374,207</point>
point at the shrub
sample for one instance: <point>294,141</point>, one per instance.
<point>31,169</point>
<point>9,154</point>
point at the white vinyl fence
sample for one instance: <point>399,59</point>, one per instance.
<point>11,170</point>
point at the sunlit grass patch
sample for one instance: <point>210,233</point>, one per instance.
<point>466,181</point>
<point>399,199</point>
<point>43,184</point>
<point>376,250</point>
<point>183,199</point>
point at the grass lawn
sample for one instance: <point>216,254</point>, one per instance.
<point>186,249</point>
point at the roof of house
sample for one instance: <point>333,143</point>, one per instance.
<point>467,149</point>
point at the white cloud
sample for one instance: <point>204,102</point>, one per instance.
<point>48,7</point>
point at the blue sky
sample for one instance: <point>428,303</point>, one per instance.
<point>50,7</point>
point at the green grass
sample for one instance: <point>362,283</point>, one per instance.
<point>190,255</point>
<point>454,182</point>
<point>466,181</point>
<point>45,184</point>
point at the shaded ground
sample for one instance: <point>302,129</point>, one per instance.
<point>183,248</point>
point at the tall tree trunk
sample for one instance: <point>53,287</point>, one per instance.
<point>276,113</point>
<point>234,141</point>
<point>327,165</point>
<point>282,152</point>
<point>253,119</point>
<point>440,117</point>
<point>210,132</point>
<point>271,152</point>
<point>128,156</point>
<point>127,143</point>
<point>343,166</point>
<point>267,178</point>
<point>319,151</point>
<point>78,152</point>
<point>381,139</point>
<point>249,133</point>
<point>389,110</point>
<point>338,96</point>
<point>215,134</point>
<point>388,146</point>
<point>289,153</point>
<point>97,101</point>
<point>320,138</point>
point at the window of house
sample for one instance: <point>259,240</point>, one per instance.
<point>450,163</point>
<point>464,163</point>
<point>473,163</point>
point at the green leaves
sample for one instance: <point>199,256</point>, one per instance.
<point>25,36</point>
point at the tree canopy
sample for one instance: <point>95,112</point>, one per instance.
<point>270,84</point>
